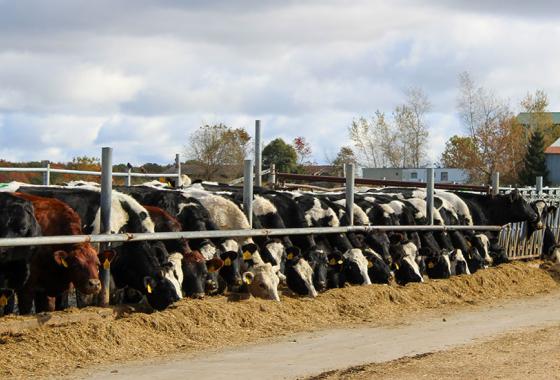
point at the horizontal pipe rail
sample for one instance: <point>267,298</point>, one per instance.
<point>115,238</point>
<point>379,182</point>
<point>86,172</point>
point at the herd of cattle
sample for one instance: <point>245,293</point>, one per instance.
<point>162,272</point>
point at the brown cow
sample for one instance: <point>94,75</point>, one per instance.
<point>55,268</point>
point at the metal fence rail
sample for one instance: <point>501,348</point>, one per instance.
<point>47,170</point>
<point>128,237</point>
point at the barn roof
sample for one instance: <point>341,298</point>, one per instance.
<point>554,148</point>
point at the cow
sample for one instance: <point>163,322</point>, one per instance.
<point>17,219</point>
<point>299,275</point>
<point>356,267</point>
<point>136,266</point>
<point>262,281</point>
<point>405,264</point>
<point>54,269</point>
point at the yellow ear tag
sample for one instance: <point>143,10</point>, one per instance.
<point>247,255</point>
<point>227,262</point>
<point>332,262</point>
<point>3,300</point>
<point>290,256</point>
<point>64,263</point>
<point>431,265</point>
<point>340,261</point>
<point>369,264</point>
<point>247,281</point>
<point>211,269</point>
<point>106,264</point>
<point>149,288</point>
<point>397,266</point>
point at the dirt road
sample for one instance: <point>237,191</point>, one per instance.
<point>313,353</point>
<point>530,354</point>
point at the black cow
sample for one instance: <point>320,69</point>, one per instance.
<point>17,219</point>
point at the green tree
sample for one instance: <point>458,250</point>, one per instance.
<point>345,156</point>
<point>534,164</point>
<point>283,155</point>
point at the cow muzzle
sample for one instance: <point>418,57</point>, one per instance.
<point>93,286</point>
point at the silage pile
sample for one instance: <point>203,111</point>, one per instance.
<point>194,325</point>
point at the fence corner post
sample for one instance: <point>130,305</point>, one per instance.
<point>105,206</point>
<point>46,173</point>
<point>430,196</point>
<point>248,191</point>
<point>495,183</point>
<point>349,170</point>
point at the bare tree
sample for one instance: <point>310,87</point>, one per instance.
<point>494,132</point>
<point>366,142</point>
<point>217,146</point>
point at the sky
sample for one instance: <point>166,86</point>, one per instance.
<point>141,76</point>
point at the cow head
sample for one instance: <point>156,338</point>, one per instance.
<point>81,265</point>
<point>159,291</point>
<point>405,265</point>
<point>272,252</point>
<point>230,271</point>
<point>437,263</point>
<point>299,274</point>
<point>335,275</point>
<point>18,219</point>
<point>173,271</point>
<point>356,267</point>
<point>262,281</point>
<point>379,242</point>
<point>379,272</point>
<point>194,274</point>
<point>518,209</point>
<point>319,262</point>
<point>213,267</point>
<point>458,262</point>
<point>543,211</point>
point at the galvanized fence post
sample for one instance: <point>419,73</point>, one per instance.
<point>430,196</point>
<point>248,191</point>
<point>179,182</point>
<point>47,173</point>
<point>539,186</point>
<point>272,176</point>
<point>258,159</point>
<point>105,205</point>
<point>349,169</point>
<point>495,183</point>
<point>128,178</point>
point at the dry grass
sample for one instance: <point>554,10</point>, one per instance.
<point>194,325</point>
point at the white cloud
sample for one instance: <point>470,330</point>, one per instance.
<point>143,75</point>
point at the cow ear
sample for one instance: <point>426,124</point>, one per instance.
<point>60,258</point>
<point>292,253</point>
<point>248,278</point>
<point>214,264</point>
<point>149,284</point>
<point>552,209</point>
<point>251,247</point>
